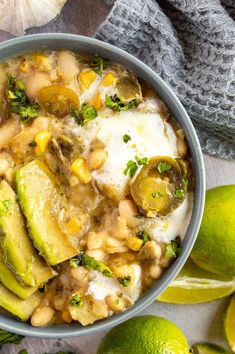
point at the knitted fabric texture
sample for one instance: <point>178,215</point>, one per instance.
<point>191,45</point>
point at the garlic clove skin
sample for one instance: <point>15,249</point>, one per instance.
<point>18,15</point>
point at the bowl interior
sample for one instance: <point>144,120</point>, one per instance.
<point>90,45</point>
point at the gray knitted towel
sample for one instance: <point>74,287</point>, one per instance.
<point>191,45</point>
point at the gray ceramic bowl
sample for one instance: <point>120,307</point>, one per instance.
<point>90,45</point>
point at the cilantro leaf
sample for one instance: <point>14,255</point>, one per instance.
<point>131,168</point>
<point>125,281</point>
<point>82,259</point>
<point>164,166</point>
<point>7,337</point>
<point>142,160</point>
<point>76,300</point>
<point>85,114</point>
<point>126,138</point>
<point>179,193</point>
<point>99,64</point>
<point>173,249</point>
<point>116,104</point>
<point>143,235</point>
<point>19,102</point>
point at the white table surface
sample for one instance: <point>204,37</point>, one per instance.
<point>202,322</point>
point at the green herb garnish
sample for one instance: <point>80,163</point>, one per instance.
<point>163,166</point>
<point>173,249</point>
<point>179,193</point>
<point>116,104</point>
<point>124,281</point>
<point>86,114</point>
<point>19,102</point>
<point>7,337</point>
<point>99,64</point>
<point>157,195</point>
<point>82,259</point>
<point>23,351</point>
<point>126,138</point>
<point>142,160</point>
<point>131,168</point>
<point>76,300</point>
<point>143,235</point>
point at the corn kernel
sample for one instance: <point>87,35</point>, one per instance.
<point>97,102</point>
<point>80,170</point>
<point>42,139</point>
<point>87,77</point>
<point>108,80</point>
<point>134,243</point>
<point>73,226</point>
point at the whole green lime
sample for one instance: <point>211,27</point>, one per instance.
<point>145,335</point>
<point>214,249</point>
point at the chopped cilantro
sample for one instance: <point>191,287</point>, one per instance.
<point>173,249</point>
<point>76,301</point>
<point>116,104</point>
<point>163,166</point>
<point>157,195</point>
<point>142,160</point>
<point>99,64</point>
<point>131,168</point>
<point>143,235</point>
<point>126,138</point>
<point>85,114</point>
<point>7,337</point>
<point>19,102</point>
<point>124,281</point>
<point>23,351</point>
<point>179,193</point>
<point>82,259</point>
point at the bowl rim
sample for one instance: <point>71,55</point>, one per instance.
<point>75,330</point>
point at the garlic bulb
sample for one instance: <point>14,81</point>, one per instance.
<point>18,15</point>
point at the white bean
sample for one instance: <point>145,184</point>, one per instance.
<point>34,83</point>
<point>42,316</point>
<point>128,210</point>
<point>8,130</point>
<point>155,271</point>
<point>3,166</point>
<point>67,65</point>
<point>121,230</point>
<point>96,159</point>
<point>95,240</point>
<point>99,255</point>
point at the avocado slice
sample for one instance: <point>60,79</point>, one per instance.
<point>41,203</point>
<point>18,307</point>
<point>18,251</point>
<point>8,279</point>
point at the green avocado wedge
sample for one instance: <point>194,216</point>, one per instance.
<point>22,309</point>
<point>8,279</point>
<point>18,251</point>
<point>40,202</point>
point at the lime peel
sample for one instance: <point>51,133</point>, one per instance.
<point>208,348</point>
<point>194,285</point>
<point>229,324</point>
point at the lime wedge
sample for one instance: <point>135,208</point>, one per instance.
<point>208,348</point>
<point>229,324</point>
<point>194,285</point>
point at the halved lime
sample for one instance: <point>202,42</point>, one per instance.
<point>208,348</point>
<point>194,285</point>
<point>229,324</point>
